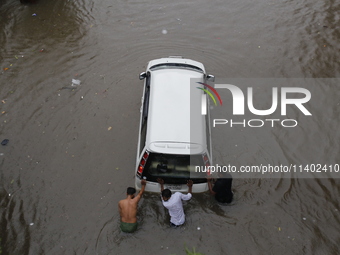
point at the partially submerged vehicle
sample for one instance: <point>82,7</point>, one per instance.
<point>174,135</point>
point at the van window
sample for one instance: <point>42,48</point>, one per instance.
<point>171,166</point>
<point>207,130</point>
<point>145,113</point>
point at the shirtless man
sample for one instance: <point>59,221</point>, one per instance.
<point>128,209</point>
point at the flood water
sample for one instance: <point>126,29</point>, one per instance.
<point>72,147</point>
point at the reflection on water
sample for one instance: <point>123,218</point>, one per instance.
<point>71,152</point>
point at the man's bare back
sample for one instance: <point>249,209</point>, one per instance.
<point>128,210</point>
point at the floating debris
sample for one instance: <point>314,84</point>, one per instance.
<point>164,31</point>
<point>4,142</point>
<point>73,86</point>
<point>75,82</point>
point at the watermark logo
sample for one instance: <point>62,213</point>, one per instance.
<point>238,100</point>
<point>280,98</point>
<point>204,98</point>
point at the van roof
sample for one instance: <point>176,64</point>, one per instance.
<point>175,122</point>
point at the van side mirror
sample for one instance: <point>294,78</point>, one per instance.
<point>210,77</point>
<point>142,75</point>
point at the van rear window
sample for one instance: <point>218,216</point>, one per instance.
<point>173,168</point>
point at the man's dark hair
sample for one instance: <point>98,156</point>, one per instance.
<point>224,175</point>
<point>166,193</point>
<point>130,191</point>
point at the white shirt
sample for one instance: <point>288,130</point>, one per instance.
<point>175,207</point>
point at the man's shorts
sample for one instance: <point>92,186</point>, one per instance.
<point>128,227</point>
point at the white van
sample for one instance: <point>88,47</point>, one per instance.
<point>174,135</point>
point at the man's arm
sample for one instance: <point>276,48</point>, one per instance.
<point>120,209</point>
<point>189,184</point>
<point>141,192</point>
<point>161,182</point>
<point>210,186</point>
<point>189,195</point>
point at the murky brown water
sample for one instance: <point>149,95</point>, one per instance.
<point>71,153</point>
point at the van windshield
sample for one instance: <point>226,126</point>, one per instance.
<point>174,169</point>
<point>176,66</point>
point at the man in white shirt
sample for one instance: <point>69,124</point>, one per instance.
<point>173,202</point>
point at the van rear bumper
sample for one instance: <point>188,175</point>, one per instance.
<point>155,187</point>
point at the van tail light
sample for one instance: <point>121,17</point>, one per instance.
<point>206,163</point>
<point>205,158</point>
<point>142,164</point>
